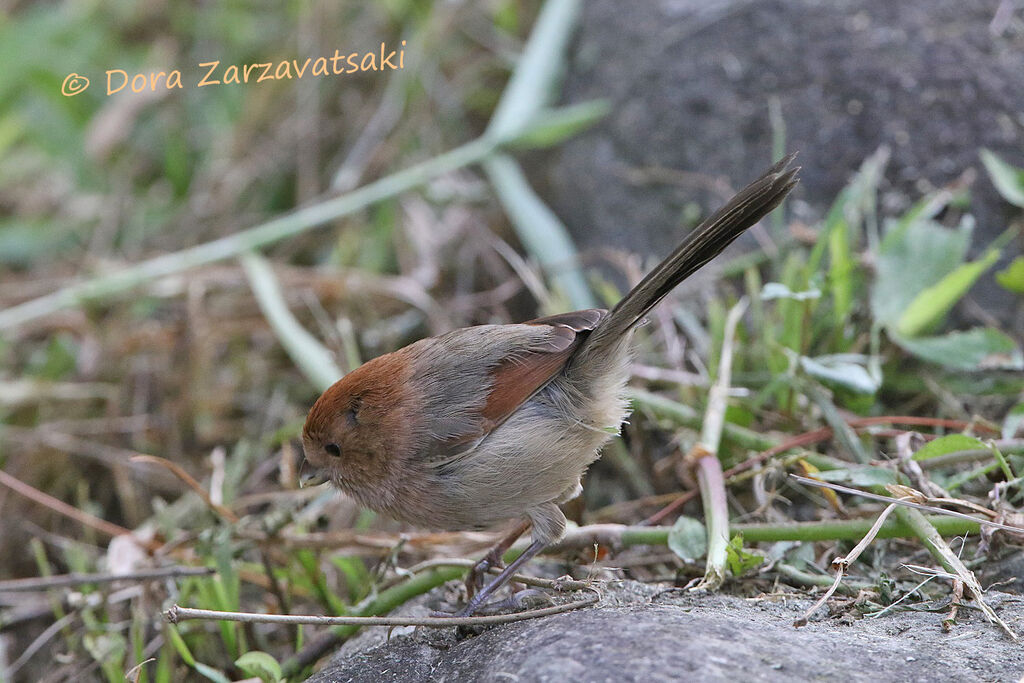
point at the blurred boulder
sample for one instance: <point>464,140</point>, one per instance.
<point>645,633</point>
<point>690,83</point>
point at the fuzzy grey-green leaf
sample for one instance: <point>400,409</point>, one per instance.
<point>688,539</point>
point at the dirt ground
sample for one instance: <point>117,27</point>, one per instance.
<point>641,632</point>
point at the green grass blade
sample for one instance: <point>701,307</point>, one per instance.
<point>311,357</point>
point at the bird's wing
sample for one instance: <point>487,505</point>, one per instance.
<point>475,378</point>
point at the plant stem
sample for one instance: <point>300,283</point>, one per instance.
<point>925,529</point>
<point>309,355</point>
<point>298,221</point>
<point>543,235</point>
<point>66,580</point>
<point>709,467</point>
<point>618,535</point>
<point>850,529</point>
<point>688,417</point>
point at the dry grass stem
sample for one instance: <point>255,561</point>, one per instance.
<point>906,503</point>
<point>221,511</point>
<point>842,564</point>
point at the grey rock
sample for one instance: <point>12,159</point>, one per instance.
<point>642,634</point>
<point>690,82</point>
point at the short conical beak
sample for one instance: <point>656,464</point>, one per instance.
<point>310,476</point>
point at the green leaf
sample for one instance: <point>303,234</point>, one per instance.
<point>553,126</point>
<point>261,665</point>
<point>863,476</point>
<point>840,272</point>
<point>1009,180</point>
<point>179,644</point>
<point>539,67</point>
<point>741,560</point>
<point>934,302</point>
<point>57,361</point>
<point>1013,277</point>
<point>839,370</point>
<point>777,290</point>
<point>977,348</point>
<point>688,539</point>
<point>1013,421</point>
<point>214,675</point>
<point>23,242</point>
<point>951,443</point>
<point>912,257</point>
<point>105,647</point>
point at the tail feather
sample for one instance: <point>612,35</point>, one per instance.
<point>749,206</point>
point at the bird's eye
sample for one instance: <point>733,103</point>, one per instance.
<point>332,450</point>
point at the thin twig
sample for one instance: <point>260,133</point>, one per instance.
<point>802,620</point>
<point>177,614</point>
<point>64,580</point>
<point>179,471</point>
<point>59,506</point>
<point>954,607</point>
<point>37,644</point>
<point>904,503</point>
<point>842,564</point>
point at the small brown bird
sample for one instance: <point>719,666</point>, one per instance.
<point>495,422</point>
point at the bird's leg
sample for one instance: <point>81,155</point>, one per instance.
<point>493,558</point>
<point>548,526</point>
<point>501,579</point>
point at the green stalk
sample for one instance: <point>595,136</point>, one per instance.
<point>831,530</point>
<point>540,65</point>
<point>931,538</point>
<point>686,416</point>
<point>541,232</point>
<point>311,357</point>
<point>299,221</point>
<point>709,467</point>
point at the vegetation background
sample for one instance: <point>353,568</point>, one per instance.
<point>182,271</point>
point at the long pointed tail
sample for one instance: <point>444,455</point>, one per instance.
<point>704,243</point>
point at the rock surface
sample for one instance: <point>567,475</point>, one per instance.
<point>641,633</point>
<point>690,83</point>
